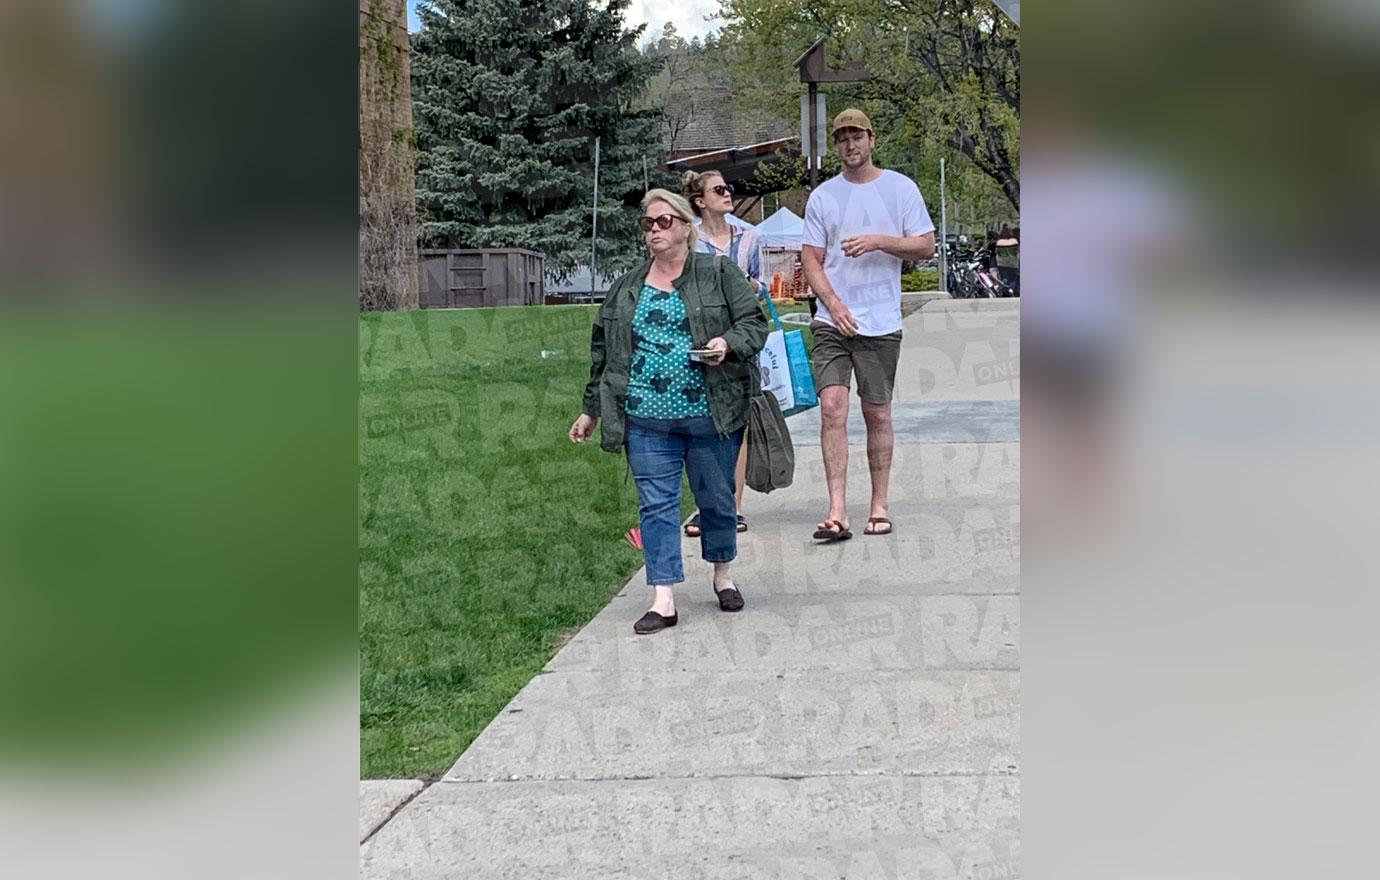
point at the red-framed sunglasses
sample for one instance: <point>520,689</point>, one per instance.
<point>663,222</point>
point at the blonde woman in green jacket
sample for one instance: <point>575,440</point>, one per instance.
<point>672,412</point>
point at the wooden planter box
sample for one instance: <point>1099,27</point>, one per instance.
<point>486,277</point>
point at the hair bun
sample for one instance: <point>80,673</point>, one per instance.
<point>690,180</point>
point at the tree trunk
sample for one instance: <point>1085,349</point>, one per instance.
<point>387,202</point>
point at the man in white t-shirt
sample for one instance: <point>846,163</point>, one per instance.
<point>859,226</point>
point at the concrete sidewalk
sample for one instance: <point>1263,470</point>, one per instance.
<point>860,718</point>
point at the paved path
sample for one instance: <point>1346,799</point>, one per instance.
<point>859,719</point>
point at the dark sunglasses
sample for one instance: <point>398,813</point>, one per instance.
<point>722,189</point>
<point>663,222</point>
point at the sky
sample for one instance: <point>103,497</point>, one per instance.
<point>686,15</point>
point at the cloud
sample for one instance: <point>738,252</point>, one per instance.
<point>687,15</point>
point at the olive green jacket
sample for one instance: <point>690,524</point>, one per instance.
<point>719,301</point>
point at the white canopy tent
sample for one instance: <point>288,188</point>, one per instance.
<point>784,229</point>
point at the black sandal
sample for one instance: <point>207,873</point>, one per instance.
<point>693,523</point>
<point>742,523</point>
<point>652,622</point>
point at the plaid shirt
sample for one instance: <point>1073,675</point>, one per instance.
<point>742,249</point>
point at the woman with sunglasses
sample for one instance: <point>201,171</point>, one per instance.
<point>712,200</point>
<point>674,351</point>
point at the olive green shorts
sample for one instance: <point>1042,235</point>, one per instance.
<point>836,358</point>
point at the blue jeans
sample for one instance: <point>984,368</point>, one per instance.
<point>659,450</point>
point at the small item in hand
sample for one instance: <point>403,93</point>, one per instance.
<point>703,354</point>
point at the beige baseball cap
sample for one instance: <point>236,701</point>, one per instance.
<point>851,118</point>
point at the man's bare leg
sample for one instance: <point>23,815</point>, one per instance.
<point>833,442</point>
<point>881,442</point>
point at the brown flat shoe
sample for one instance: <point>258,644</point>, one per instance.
<point>652,622</point>
<point>729,599</point>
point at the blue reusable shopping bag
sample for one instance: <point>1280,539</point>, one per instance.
<point>802,395</point>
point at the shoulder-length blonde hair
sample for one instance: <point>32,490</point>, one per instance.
<point>679,206</point>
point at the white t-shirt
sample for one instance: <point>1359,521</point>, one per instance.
<point>869,285</point>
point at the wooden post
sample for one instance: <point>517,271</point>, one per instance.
<point>813,71</point>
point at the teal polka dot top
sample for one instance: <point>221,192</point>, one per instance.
<point>663,382</point>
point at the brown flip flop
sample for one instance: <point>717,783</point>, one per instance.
<point>873,521</point>
<point>840,532</point>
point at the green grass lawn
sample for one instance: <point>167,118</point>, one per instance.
<point>486,536</point>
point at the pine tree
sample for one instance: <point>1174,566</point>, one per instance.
<point>508,97</point>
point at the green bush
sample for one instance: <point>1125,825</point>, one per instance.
<point>920,279</point>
